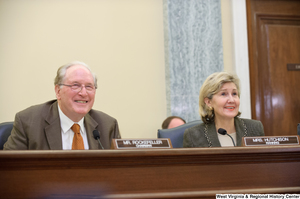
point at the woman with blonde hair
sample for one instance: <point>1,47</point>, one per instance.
<point>219,102</point>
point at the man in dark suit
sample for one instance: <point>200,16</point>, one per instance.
<point>49,126</point>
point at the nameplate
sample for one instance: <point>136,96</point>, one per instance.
<point>141,143</point>
<point>292,67</point>
<point>270,140</point>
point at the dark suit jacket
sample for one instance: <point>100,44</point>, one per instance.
<point>38,128</point>
<point>196,137</point>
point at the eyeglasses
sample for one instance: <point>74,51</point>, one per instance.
<point>78,87</point>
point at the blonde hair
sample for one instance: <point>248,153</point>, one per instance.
<point>211,86</point>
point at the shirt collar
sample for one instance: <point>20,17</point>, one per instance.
<point>66,123</point>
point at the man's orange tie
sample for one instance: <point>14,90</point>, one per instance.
<point>77,140</point>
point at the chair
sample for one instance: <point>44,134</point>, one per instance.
<point>176,134</point>
<point>5,130</point>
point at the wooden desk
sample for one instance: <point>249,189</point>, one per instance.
<point>146,173</point>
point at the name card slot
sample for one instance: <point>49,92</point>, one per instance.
<point>270,140</point>
<point>141,143</point>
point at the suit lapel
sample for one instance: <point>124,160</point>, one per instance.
<point>90,126</point>
<point>213,136</point>
<point>239,130</point>
<point>239,133</point>
<point>53,129</point>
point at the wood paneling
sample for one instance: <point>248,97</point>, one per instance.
<point>168,173</point>
<point>274,42</point>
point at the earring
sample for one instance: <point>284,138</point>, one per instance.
<point>210,108</point>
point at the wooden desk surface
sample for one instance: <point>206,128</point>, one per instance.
<point>149,173</point>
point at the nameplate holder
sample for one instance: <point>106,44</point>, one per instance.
<point>161,143</point>
<point>293,67</point>
<point>271,140</point>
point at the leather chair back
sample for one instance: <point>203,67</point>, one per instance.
<point>5,130</point>
<point>176,134</point>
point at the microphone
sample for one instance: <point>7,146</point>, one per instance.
<point>224,132</point>
<point>97,137</point>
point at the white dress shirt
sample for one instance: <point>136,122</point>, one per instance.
<point>67,134</point>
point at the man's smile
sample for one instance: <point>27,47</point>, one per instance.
<point>81,102</point>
